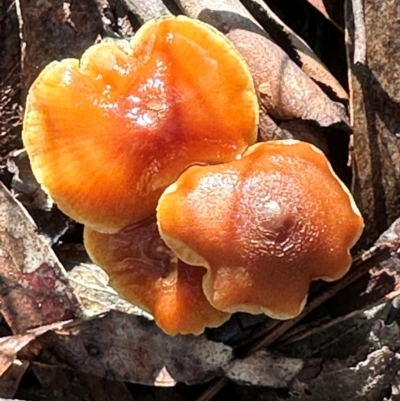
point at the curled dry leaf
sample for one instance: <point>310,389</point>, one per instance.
<point>390,267</point>
<point>285,91</point>
<point>295,47</point>
<point>33,286</point>
<point>334,336</point>
<point>368,353</point>
<point>131,348</point>
<point>375,110</point>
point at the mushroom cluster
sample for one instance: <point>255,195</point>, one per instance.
<point>173,123</point>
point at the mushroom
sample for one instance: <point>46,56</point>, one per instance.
<point>108,133</point>
<point>146,273</point>
<point>264,227</point>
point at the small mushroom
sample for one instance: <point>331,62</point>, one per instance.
<point>264,227</point>
<point>145,272</point>
<point>108,133</point>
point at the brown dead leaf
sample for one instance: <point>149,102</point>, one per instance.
<point>285,91</point>
<point>295,47</point>
<point>11,346</point>
<point>118,346</point>
<point>374,54</point>
<point>33,286</point>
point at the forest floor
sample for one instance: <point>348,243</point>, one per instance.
<point>66,335</point>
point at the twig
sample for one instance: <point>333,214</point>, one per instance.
<point>294,46</point>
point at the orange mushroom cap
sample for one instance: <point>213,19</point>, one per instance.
<point>146,273</point>
<point>107,134</point>
<point>264,226</point>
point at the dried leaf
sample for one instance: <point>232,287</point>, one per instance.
<point>285,91</point>
<point>295,47</point>
<point>33,286</point>
<point>9,381</point>
<point>306,131</point>
<point>90,283</point>
<point>335,337</point>
<point>125,347</point>
<point>130,348</point>
<point>11,346</point>
<point>389,268</point>
<point>374,54</point>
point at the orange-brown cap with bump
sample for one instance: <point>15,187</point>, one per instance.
<point>107,134</point>
<point>143,272</point>
<point>264,226</point>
